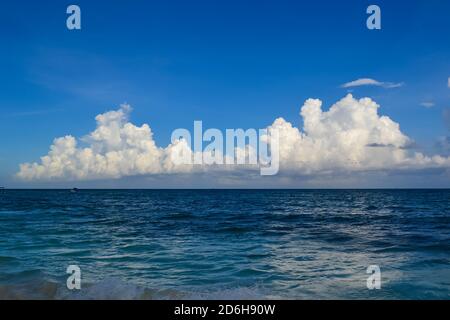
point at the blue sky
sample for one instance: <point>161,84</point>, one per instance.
<point>229,63</point>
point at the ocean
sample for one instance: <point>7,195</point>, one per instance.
<point>225,244</point>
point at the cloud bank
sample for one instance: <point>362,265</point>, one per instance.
<point>350,137</point>
<point>371,82</point>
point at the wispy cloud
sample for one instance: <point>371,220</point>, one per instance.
<point>371,82</point>
<point>427,104</point>
<point>68,74</point>
<point>31,113</point>
<point>443,144</point>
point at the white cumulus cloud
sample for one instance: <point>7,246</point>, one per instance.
<point>115,149</point>
<point>350,136</point>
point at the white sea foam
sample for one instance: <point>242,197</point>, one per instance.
<point>116,289</point>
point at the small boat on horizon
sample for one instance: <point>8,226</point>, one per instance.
<point>73,190</point>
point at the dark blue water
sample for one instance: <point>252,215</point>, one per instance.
<point>229,244</point>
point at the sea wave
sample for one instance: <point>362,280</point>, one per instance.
<point>116,289</point>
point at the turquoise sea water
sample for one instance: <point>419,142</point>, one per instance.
<point>225,244</point>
